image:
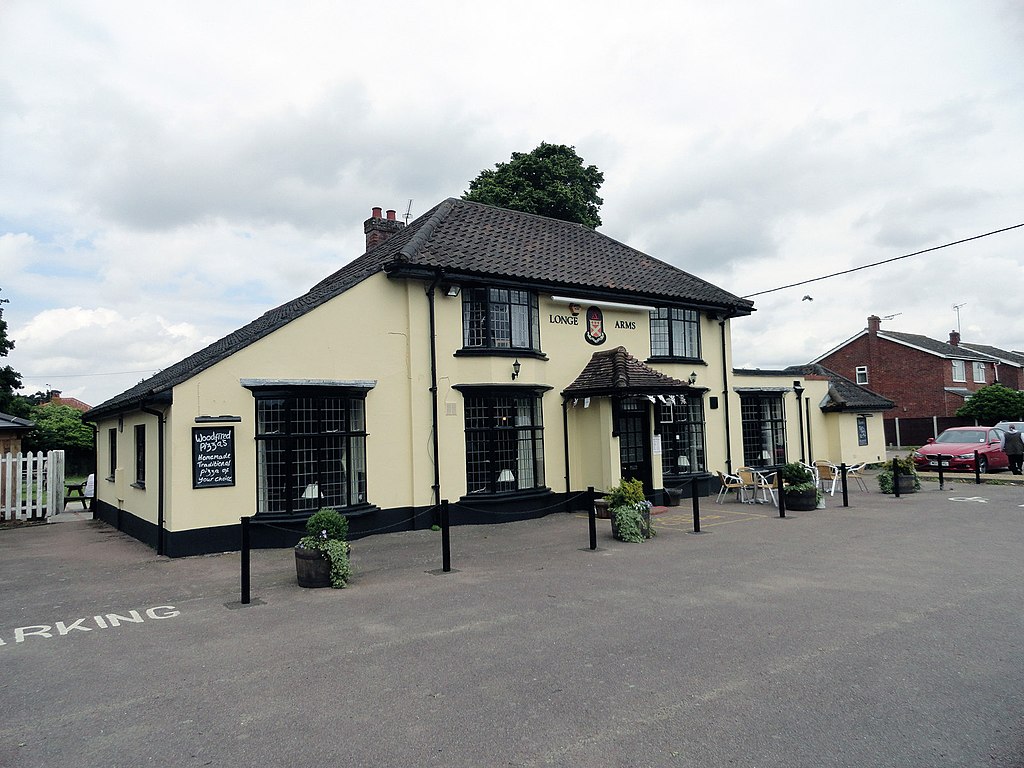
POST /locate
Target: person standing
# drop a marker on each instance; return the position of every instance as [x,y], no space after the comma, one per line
[1013,445]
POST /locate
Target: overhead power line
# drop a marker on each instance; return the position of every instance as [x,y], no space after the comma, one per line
[884,261]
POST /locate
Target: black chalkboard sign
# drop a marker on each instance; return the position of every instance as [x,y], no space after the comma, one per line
[862,430]
[213,456]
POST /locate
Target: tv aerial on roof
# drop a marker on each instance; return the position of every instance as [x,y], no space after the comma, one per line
[408,213]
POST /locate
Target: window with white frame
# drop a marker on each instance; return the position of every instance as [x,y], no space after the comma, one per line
[862,374]
[959,370]
[675,333]
[979,373]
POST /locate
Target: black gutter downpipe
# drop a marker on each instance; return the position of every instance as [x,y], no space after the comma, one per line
[433,388]
[565,440]
[725,401]
[160,420]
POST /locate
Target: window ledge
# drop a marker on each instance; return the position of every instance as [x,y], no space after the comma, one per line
[499,352]
[499,498]
[675,359]
[140,486]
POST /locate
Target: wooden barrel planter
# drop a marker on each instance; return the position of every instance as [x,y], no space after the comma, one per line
[601,510]
[802,501]
[906,484]
[312,568]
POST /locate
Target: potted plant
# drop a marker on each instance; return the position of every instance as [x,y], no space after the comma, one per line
[909,480]
[798,485]
[630,512]
[322,555]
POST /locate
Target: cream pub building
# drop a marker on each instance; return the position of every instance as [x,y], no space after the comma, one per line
[501,360]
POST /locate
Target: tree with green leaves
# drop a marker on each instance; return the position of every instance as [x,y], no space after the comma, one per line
[58,427]
[549,181]
[10,379]
[994,403]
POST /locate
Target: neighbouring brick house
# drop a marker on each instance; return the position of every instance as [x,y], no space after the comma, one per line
[927,379]
[1009,365]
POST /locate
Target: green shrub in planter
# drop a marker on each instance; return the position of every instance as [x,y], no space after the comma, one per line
[630,511]
[797,479]
[327,533]
[906,467]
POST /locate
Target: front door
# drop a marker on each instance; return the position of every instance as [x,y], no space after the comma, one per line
[634,443]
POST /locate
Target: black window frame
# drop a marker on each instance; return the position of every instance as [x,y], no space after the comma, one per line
[310,450]
[763,425]
[668,334]
[494,445]
[140,456]
[112,451]
[682,429]
[489,322]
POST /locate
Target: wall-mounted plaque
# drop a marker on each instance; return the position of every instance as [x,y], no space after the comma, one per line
[213,456]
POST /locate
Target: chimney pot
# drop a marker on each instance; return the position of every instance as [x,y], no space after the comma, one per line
[954,338]
[376,211]
[378,229]
[391,214]
[874,324]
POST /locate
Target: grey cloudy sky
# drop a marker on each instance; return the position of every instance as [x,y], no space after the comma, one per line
[172,170]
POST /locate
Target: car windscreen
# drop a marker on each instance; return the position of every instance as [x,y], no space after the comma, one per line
[963,436]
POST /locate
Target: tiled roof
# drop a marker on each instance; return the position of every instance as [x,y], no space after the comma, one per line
[843,394]
[616,372]
[931,345]
[10,423]
[1014,358]
[470,240]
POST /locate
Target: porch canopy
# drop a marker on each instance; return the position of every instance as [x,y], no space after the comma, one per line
[616,373]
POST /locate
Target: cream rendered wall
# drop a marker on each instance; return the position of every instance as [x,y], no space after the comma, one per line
[361,335]
[119,492]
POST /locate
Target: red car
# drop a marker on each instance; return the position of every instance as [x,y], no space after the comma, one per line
[960,443]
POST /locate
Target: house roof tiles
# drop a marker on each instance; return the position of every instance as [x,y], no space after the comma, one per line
[616,372]
[465,239]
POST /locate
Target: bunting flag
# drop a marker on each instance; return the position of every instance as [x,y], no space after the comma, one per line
[586,402]
[651,398]
[575,400]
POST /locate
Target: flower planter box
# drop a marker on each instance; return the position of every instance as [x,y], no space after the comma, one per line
[906,484]
[647,525]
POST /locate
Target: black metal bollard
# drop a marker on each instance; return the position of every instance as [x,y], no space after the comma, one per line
[896,478]
[941,481]
[446,541]
[977,468]
[245,561]
[592,514]
[696,505]
[842,477]
[782,493]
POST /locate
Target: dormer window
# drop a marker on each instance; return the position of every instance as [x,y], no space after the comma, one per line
[499,319]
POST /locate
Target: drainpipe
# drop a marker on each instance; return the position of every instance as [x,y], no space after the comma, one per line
[160,421]
[565,438]
[810,450]
[725,402]
[433,389]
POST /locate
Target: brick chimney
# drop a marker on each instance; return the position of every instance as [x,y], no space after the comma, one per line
[377,230]
[954,338]
[874,325]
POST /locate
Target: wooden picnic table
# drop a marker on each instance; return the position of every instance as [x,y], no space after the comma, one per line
[76,492]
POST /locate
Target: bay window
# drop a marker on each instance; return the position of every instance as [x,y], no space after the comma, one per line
[504,441]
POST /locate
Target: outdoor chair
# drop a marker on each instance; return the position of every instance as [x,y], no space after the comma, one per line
[757,484]
[729,483]
[856,473]
[828,475]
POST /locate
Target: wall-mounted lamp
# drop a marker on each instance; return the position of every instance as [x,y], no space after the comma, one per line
[515,369]
[693,378]
[452,291]
[683,462]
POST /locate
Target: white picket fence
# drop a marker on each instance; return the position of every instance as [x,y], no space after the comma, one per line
[31,485]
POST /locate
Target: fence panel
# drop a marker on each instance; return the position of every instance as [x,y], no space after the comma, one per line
[31,485]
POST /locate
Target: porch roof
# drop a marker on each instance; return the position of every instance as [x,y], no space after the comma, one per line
[616,372]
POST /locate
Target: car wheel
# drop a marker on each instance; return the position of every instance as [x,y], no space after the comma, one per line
[982,465]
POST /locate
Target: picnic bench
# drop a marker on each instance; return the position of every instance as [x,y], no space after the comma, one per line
[76,492]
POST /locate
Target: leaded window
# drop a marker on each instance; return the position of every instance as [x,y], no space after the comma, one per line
[500,318]
[140,456]
[675,333]
[763,419]
[681,424]
[504,441]
[311,450]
